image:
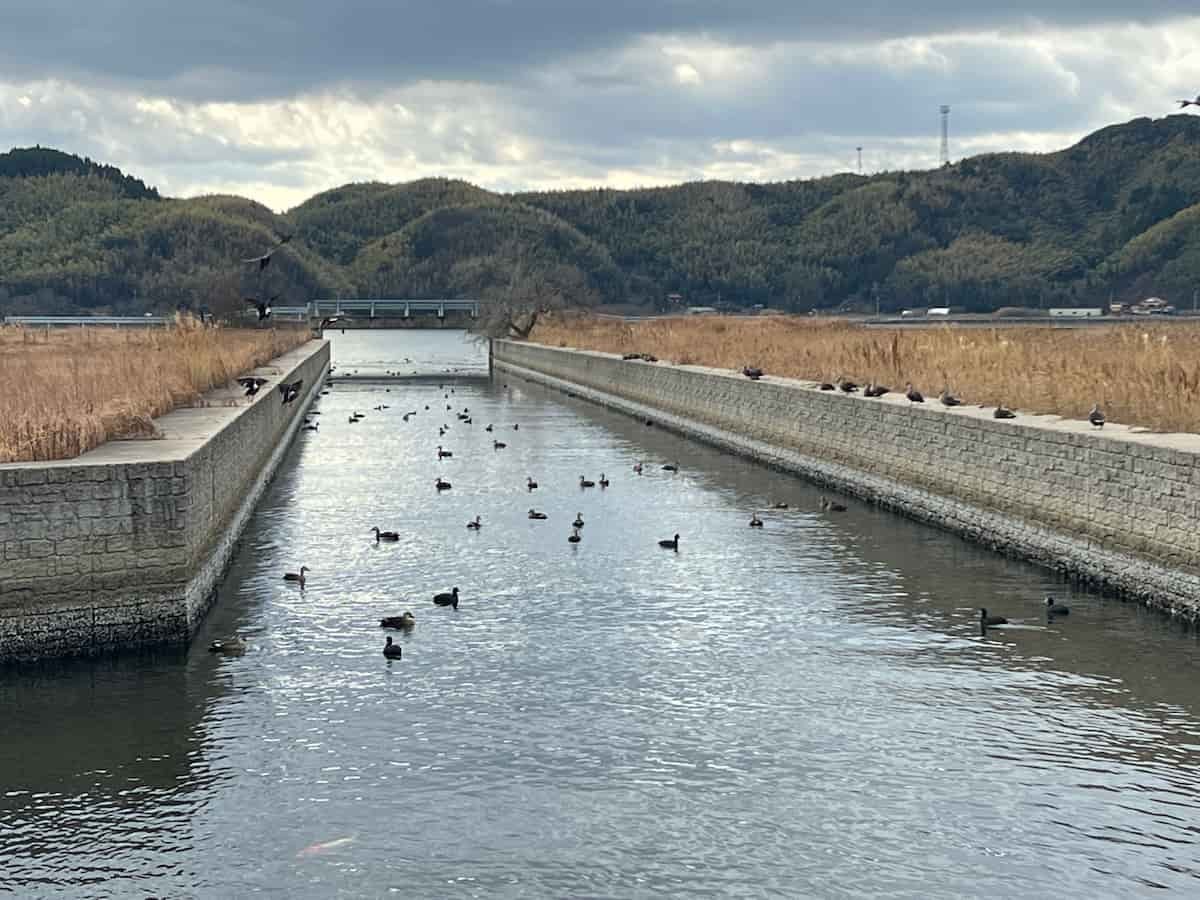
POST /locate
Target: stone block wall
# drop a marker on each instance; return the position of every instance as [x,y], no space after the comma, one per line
[1114,506]
[124,545]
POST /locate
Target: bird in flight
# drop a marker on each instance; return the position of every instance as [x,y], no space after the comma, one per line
[265,260]
[1184,104]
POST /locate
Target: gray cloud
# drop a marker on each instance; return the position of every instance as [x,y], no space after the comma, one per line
[234,49]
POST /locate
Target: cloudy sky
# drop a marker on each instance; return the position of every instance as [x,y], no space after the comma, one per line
[279,99]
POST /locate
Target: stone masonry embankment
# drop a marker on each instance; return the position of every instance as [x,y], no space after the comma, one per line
[124,545]
[1117,508]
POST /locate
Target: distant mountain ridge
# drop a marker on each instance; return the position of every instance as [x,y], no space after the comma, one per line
[1118,214]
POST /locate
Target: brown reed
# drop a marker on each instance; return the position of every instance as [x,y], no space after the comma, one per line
[65,391]
[1141,374]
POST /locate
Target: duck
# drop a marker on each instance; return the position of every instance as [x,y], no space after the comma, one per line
[311,426]
[637,467]
[444,454]
[534,514]
[755,521]
[488,429]
[670,467]
[846,386]
[517,427]
[780,505]
[391,650]
[912,394]
[876,390]
[1096,416]
[441,431]
[672,544]
[442,485]
[450,599]
[475,525]
[831,506]
[825,386]
[986,621]
[578,523]
[384,535]
[1003,412]
[1056,609]
[234,646]
[603,480]
[584,483]
[296,576]
[498,445]
[530,484]
[403,622]
[752,372]
[948,399]
[574,538]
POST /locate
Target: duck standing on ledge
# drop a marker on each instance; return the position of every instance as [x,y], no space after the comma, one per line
[450,599]
[913,395]
[948,399]
[1003,412]
[752,372]
[1096,417]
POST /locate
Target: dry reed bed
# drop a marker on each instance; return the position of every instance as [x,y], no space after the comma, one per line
[1146,375]
[63,392]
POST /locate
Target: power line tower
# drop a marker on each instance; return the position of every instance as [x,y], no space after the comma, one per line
[859,160]
[945,156]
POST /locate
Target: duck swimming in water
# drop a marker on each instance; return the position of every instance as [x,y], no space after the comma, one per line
[584,483]
[450,599]
[443,454]
[530,484]
[403,622]
[755,521]
[442,485]
[296,576]
[384,535]
[534,514]
[672,544]
[670,467]
[574,538]
[1056,609]
[578,523]
[475,525]
[986,621]
[603,480]
[830,506]
[392,651]
[234,646]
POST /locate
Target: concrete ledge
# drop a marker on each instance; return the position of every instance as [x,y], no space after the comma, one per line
[1115,509]
[125,545]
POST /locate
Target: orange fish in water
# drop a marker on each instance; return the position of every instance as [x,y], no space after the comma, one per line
[325,846]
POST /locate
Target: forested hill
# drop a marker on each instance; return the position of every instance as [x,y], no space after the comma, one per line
[1116,215]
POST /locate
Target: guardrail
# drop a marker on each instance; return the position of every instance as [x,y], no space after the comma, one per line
[84,321]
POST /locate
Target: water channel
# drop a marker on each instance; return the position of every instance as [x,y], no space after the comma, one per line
[808,709]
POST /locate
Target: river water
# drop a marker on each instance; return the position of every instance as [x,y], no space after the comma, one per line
[808,709]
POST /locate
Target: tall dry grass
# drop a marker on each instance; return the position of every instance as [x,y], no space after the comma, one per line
[65,391]
[1147,375]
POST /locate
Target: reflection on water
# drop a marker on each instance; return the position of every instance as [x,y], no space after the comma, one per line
[807,709]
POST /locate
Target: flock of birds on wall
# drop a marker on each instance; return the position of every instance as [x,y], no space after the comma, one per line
[872,389]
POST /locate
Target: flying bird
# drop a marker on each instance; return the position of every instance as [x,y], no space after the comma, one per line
[263,306]
[1184,104]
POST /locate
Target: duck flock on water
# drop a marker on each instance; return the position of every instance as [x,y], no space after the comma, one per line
[407,621]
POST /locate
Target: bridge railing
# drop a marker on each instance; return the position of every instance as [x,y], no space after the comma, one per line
[394,308]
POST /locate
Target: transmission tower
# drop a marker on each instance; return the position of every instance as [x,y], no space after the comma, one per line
[945,157]
[859,160]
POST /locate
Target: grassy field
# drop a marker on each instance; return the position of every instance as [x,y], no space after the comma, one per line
[65,391]
[1147,375]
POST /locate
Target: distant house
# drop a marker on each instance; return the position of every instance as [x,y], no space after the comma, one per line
[1076,312]
[702,310]
[938,311]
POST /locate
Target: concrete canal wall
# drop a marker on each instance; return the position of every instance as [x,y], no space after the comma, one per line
[125,545]
[1117,508]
